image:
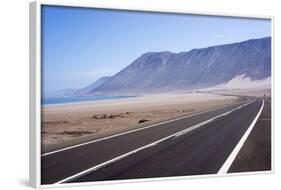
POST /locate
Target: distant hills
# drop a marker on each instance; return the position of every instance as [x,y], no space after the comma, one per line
[78,92]
[156,72]
[91,87]
[61,93]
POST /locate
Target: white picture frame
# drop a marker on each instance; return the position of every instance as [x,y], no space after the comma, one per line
[35,87]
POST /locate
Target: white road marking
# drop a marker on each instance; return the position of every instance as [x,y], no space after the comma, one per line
[225,167]
[94,168]
[135,130]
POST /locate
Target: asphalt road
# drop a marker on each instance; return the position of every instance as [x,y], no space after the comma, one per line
[256,153]
[202,150]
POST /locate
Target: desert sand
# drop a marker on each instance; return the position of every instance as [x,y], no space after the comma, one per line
[71,123]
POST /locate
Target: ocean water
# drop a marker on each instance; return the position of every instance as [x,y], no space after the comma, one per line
[60,100]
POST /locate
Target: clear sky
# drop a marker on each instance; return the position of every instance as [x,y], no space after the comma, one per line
[80,45]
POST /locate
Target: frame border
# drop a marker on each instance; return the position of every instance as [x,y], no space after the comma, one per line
[34,94]
[35,87]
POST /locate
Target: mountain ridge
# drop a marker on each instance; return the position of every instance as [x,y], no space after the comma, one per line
[197,68]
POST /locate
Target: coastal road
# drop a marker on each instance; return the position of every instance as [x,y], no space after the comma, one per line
[201,143]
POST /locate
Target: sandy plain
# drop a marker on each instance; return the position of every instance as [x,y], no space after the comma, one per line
[71,123]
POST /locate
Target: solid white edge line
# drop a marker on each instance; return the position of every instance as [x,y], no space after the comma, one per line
[131,131]
[225,167]
[94,168]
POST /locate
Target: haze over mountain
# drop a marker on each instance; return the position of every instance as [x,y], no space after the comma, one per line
[60,93]
[155,72]
[78,92]
[91,87]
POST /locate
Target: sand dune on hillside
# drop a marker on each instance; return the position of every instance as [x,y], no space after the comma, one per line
[241,85]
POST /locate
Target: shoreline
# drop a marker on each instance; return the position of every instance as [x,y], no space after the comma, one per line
[79,99]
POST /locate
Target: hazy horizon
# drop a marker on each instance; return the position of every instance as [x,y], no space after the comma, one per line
[80,45]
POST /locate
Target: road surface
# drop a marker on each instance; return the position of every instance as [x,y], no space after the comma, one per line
[193,145]
[256,153]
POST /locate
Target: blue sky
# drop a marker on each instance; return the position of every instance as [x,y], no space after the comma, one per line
[80,45]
